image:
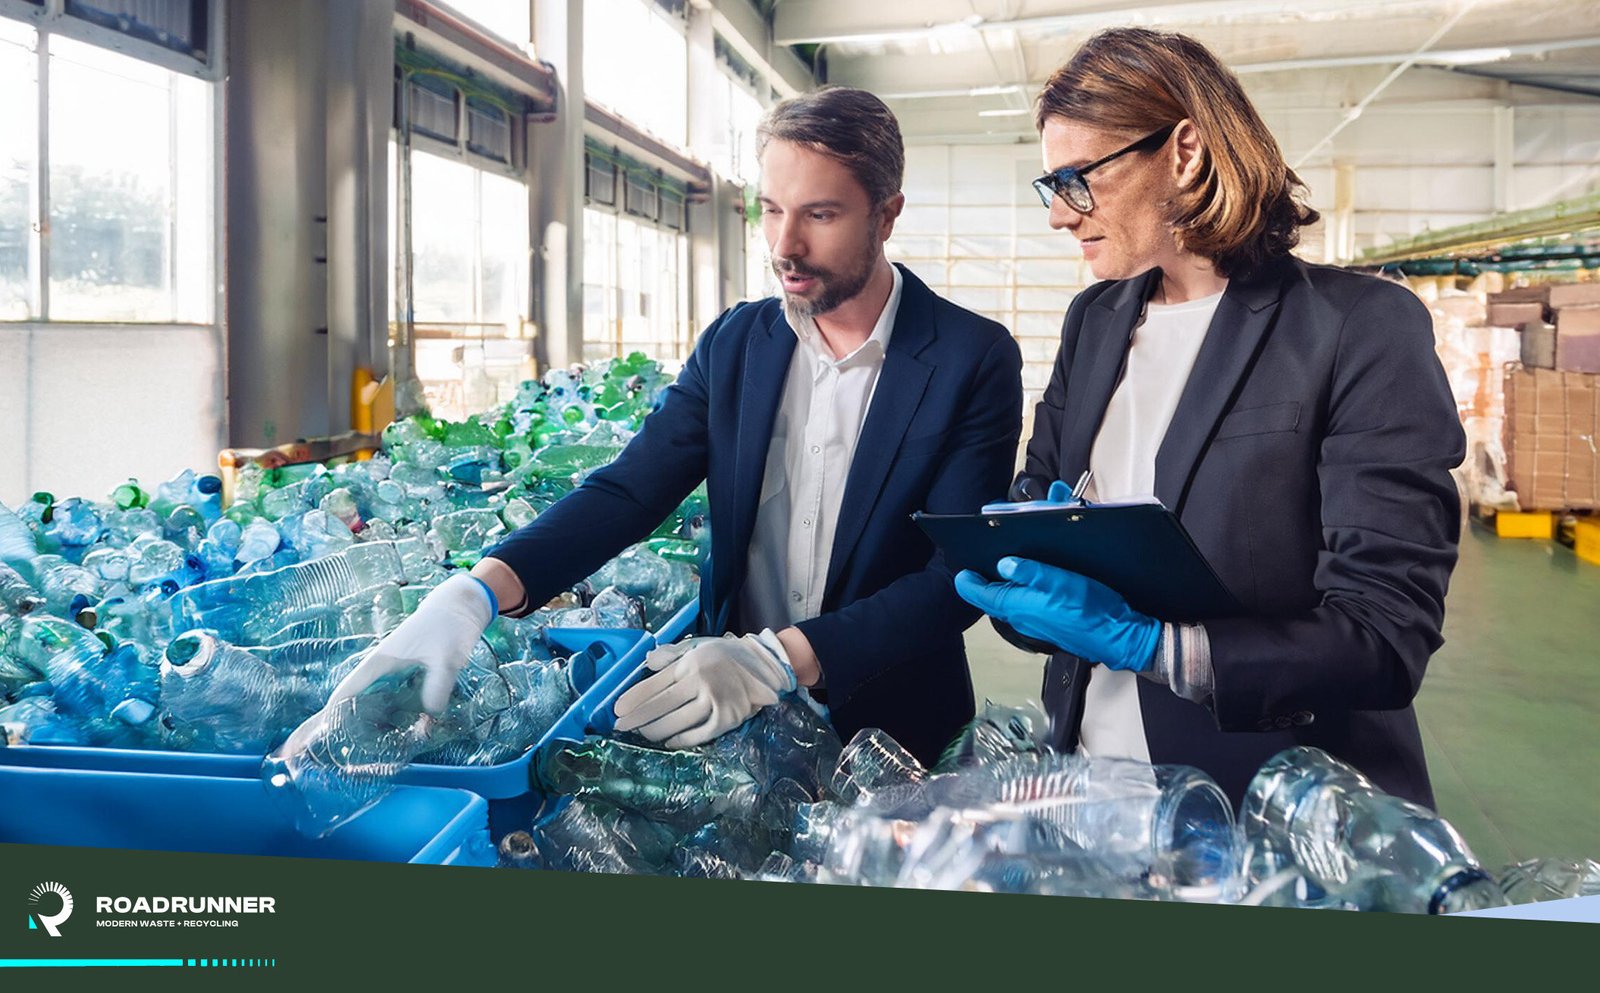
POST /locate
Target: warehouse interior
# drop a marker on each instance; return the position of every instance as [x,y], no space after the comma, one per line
[233,225]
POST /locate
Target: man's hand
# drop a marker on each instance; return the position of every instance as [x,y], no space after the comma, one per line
[703,687]
[438,636]
[1084,617]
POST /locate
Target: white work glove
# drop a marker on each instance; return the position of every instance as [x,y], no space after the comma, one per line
[705,686]
[438,636]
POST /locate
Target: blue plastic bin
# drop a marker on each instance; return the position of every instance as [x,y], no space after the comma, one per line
[506,784]
[231,816]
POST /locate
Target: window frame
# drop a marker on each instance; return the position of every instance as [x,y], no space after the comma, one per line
[48,18]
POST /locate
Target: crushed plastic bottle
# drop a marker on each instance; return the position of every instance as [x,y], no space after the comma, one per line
[1356,846]
[344,758]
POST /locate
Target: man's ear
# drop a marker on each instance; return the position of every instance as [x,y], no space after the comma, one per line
[1188,153]
[891,212]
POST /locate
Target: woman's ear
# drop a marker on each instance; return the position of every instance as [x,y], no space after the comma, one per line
[1188,153]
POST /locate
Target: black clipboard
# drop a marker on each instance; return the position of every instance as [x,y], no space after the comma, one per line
[1140,550]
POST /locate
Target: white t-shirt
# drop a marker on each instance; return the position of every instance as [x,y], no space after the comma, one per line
[1160,358]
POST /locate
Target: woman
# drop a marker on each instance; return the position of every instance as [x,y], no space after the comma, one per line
[1294,417]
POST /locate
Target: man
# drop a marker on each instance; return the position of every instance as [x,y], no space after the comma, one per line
[820,421]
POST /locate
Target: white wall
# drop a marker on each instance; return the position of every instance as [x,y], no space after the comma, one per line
[1425,159]
[84,408]
[974,231]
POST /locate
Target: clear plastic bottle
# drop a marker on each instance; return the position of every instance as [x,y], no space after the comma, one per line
[1356,846]
[343,759]
[220,697]
[995,734]
[88,682]
[1170,821]
[303,600]
[17,595]
[1536,880]
[681,787]
[870,762]
[786,740]
[580,838]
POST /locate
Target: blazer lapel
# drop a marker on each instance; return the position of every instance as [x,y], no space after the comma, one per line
[1097,367]
[901,385]
[1243,318]
[766,367]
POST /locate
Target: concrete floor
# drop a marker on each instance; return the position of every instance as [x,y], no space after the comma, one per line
[1510,708]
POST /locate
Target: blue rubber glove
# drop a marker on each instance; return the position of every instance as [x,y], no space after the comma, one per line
[1059,493]
[1074,612]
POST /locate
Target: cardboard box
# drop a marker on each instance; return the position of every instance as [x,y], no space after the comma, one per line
[1464,307]
[1578,339]
[1552,438]
[1539,345]
[1511,315]
[1574,295]
[1523,294]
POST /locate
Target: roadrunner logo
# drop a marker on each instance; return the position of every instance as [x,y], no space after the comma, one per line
[42,895]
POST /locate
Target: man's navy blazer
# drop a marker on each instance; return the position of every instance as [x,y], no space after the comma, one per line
[940,435]
[1309,458]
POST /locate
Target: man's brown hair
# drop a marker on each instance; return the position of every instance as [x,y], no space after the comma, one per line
[849,125]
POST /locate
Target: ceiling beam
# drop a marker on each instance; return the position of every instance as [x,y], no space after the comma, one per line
[909,77]
[832,22]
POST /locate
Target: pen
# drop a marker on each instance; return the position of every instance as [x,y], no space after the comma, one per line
[1081,486]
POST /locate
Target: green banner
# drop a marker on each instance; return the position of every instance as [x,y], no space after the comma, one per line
[234,922]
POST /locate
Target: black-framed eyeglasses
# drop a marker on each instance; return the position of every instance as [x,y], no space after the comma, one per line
[1069,183]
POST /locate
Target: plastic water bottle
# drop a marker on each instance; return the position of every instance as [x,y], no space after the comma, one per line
[17,595]
[997,733]
[1356,846]
[1170,825]
[87,680]
[872,761]
[1536,880]
[682,787]
[786,740]
[343,759]
[305,600]
[220,697]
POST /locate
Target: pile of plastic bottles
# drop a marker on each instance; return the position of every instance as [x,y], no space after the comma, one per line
[778,799]
[167,620]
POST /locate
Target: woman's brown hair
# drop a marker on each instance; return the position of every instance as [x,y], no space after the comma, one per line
[1245,208]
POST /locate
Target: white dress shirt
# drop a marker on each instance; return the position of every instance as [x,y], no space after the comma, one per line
[824,403]
[1160,358]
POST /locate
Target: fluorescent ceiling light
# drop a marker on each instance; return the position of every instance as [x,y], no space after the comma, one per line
[1007,112]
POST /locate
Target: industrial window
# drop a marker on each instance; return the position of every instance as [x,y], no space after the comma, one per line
[508,19]
[635,288]
[640,196]
[91,237]
[179,25]
[469,280]
[600,179]
[450,110]
[489,131]
[636,62]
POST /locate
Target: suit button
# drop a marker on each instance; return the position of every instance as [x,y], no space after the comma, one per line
[1304,717]
[1066,677]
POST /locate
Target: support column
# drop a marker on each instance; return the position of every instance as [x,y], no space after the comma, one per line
[360,112]
[1505,157]
[707,290]
[555,176]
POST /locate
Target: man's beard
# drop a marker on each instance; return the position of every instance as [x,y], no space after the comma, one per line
[836,288]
